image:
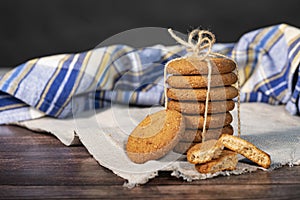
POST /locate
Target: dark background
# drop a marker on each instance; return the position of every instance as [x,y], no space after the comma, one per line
[34,28]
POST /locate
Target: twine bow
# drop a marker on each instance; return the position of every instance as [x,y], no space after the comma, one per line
[205,40]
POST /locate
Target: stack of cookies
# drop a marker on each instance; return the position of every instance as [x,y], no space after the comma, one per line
[187,93]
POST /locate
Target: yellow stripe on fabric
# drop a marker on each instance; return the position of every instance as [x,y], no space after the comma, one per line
[270,43]
[133,97]
[12,106]
[273,40]
[17,80]
[291,41]
[58,69]
[241,71]
[105,60]
[282,94]
[247,97]
[251,54]
[296,59]
[101,95]
[82,69]
[294,63]
[6,77]
[112,72]
[272,101]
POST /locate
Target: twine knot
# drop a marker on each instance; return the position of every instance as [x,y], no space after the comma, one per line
[205,40]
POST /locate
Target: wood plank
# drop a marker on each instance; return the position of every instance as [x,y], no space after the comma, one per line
[184,191]
[39,166]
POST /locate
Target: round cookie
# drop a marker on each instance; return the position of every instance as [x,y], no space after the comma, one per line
[195,135]
[213,121]
[155,136]
[218,93]
[199,107]
[198,81]
[194,66]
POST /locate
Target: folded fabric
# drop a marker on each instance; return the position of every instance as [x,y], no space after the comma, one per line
[268,61]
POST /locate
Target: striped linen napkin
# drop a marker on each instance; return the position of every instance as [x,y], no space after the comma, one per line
[268,60]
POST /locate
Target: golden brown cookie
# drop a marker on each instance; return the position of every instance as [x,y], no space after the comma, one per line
[199,107]
[213,121]
[195,135]
[155,136]
[205,152]
[218,93]
[198,81]
[246,149]
[194,66]
[183,147]
[227,161]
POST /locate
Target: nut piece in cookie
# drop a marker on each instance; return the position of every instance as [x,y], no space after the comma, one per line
[204,152]
[155,136]
[227,161]
[246,149]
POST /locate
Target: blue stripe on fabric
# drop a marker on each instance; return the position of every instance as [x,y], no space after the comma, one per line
[293,44]
[104,73]
[68,87]
[173,56]
[294,54]
[7,100]
[262,43]
[278,91]
[249,45]
[277,41]
[114,60]
[10,101]
[283,77]
[97,100]
[149,73]
[15,74]
[55,85]
[264,98]
[252,96]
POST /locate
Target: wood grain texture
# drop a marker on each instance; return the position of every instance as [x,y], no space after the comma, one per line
[38,166]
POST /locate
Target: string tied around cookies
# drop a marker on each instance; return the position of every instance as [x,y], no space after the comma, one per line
[205,40]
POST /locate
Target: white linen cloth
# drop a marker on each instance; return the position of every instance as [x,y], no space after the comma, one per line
[104,133]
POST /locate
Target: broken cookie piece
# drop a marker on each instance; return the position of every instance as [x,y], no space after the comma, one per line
[204,152]
[227,161]
[246,149]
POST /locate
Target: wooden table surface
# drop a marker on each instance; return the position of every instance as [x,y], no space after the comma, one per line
[38,166]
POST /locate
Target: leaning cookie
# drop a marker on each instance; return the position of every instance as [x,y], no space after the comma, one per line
[227,161]
[196,66]
[218,93]
[201,81]
[199,107]
[246,149]
[155,136]
[204,152]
